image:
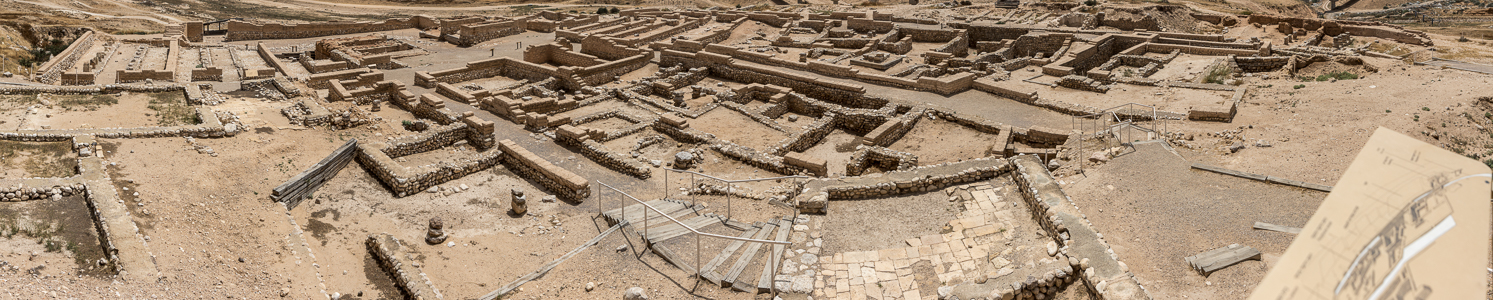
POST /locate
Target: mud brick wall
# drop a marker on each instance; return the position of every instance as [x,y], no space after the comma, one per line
[322,80]
[81,78]
[51,71]
[607,48]
[555,54]
[603,73]
[387,91]
[1031,44]
[866,25]
[472,34]
[722,66]
[1206,44]
[240,30]
[769,19]
[392,258]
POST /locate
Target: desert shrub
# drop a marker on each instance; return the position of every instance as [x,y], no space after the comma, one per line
[1299,86]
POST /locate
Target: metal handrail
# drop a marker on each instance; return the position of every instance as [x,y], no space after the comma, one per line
[691,229]
[728,183]
[739,180]
[773,260]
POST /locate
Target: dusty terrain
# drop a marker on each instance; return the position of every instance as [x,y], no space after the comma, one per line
[205,222]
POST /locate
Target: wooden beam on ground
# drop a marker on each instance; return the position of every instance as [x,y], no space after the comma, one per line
[1265,178]
[1213,260]
[1273,227]
[547,267]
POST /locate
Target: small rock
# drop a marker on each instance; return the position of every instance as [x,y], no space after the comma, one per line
[1099,156]
[590,286]
[464,187]
[944,291]
[621,248]
[634,293]
[1052,248]
[284,292]
[809,259]
[336,296]
[433,189]
[550,198]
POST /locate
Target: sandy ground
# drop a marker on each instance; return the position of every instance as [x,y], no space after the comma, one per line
[213,231]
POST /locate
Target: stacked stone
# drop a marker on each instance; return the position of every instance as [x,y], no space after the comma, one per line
[406,181]
[614,160]
[391,257]
[922,184]
[803,140]
[58,188]
[765,161]
[520,204]
[561,182]
[887,159]
[1033,177]
[1083,83]
[429,140]
[435,235]
[1044,285]
[754,115]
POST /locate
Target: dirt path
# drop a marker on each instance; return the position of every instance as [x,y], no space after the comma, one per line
[65,9]
[397,7]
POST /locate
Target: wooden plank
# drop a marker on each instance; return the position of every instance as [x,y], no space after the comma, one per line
[709,268]
[1265,178]
[634,212]
[1213,260]
[1273,227]
[324,161]
[764,281]
[658,220]
[738,225]
[664,233]
[547,267]
[748,255]
[672,258]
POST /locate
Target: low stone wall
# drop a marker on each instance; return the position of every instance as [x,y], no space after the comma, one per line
[240,30]
[617,161]
[1103,274]
[404,181]
[817,193]
[886,159]
[51,72]
[559,181]
[395,261]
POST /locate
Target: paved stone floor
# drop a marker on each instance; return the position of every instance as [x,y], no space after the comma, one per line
[961,254]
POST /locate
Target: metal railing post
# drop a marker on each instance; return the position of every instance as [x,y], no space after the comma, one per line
[692,195]
[666,185]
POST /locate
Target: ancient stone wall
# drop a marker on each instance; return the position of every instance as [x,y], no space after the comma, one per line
[867,25]
[559,181]
[391,255]
[240,30]
[51,71]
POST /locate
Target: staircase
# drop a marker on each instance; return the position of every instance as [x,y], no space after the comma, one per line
[173,30]
[729,268]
